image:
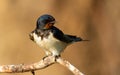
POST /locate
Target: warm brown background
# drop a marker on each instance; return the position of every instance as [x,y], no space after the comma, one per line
[96,20]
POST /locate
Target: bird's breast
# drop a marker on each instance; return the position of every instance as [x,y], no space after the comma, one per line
[49,43]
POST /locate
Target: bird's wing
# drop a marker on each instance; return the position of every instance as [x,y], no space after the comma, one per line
[58,34]
[71,38]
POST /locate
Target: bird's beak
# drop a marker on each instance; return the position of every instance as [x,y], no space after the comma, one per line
[53,22]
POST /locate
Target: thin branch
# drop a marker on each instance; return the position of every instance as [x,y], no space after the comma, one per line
[69,66]
[39,65]
[30,67]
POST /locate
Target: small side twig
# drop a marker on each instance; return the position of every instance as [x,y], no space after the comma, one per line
[69,66]
[20,68]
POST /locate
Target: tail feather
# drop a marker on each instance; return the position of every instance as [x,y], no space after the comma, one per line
[74,38]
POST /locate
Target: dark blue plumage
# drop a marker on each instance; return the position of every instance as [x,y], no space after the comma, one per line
[58,34]
[43,20]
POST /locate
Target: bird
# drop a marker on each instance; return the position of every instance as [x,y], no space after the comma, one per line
[50,38]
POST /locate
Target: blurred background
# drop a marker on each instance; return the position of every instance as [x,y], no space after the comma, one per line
[95,20]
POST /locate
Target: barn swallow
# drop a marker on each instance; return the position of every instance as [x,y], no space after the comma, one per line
[51,39]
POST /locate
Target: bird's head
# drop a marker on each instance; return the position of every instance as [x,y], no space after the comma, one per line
[45,21]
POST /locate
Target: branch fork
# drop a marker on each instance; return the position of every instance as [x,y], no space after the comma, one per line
[47,61]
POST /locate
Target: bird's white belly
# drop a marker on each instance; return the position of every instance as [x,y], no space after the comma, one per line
[51,45]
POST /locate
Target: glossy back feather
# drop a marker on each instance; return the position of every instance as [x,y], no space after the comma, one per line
[65,38]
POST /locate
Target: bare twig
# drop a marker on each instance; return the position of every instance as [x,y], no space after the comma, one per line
[39,65]
[69,66]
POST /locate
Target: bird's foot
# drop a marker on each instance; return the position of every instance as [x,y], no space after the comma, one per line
[45,57]
[56,56]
